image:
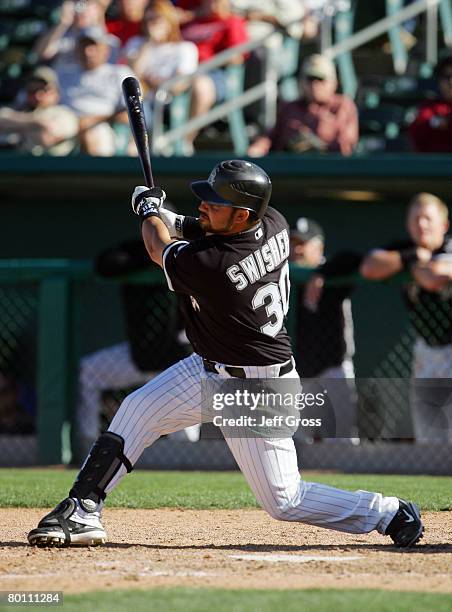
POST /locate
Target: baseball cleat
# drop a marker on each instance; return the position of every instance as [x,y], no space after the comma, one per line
[406,528]
[69,524]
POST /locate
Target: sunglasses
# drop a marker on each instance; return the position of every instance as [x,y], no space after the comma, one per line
[311,79]
[446,77]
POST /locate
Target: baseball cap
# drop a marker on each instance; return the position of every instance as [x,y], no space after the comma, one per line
[44,74]
[98,35]
[305,229]
[319,66]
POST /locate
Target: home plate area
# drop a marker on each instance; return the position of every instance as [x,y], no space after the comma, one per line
[222,548]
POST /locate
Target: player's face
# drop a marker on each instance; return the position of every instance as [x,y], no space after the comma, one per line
[426,226]
[309,253]
[217,219]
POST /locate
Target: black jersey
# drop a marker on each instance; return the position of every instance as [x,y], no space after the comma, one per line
[325,336]
[236,292]
[430,311]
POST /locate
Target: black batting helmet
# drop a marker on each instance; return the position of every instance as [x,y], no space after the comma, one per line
[237,183]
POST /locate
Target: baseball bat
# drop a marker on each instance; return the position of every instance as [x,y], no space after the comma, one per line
[134,103]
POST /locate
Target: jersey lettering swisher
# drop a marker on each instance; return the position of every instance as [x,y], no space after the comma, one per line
[237,292]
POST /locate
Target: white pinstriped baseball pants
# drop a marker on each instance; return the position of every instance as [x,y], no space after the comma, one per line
[172,401]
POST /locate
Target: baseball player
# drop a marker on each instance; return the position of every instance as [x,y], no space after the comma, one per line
[324,334]
[230,266]
[427,255]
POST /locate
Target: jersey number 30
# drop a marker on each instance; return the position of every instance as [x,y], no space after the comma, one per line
[275,298]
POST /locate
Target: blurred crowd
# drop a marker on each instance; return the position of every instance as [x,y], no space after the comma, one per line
[71,101]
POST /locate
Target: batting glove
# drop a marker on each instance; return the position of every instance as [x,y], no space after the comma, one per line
[147,202]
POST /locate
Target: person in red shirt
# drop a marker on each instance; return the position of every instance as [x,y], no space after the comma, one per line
[215,31]
[128,24]
[320,121]
[431,131]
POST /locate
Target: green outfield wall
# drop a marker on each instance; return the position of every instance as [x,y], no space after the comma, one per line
[69,209]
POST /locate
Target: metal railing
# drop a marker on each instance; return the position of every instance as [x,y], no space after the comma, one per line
[430,7]
[342,23]
[267,90]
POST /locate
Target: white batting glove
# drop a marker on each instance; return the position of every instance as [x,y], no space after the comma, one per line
[146,202]
[173,222]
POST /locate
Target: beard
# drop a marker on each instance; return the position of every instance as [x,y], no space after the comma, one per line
[204,222]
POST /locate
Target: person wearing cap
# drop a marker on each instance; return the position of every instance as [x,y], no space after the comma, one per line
[58,45]
[324,345]
[94,93]
[321,120]
[42,125]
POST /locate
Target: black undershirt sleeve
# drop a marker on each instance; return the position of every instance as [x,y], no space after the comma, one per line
[191,230]
[342,264]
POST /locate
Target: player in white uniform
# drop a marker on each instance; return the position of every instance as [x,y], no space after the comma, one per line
[236,288]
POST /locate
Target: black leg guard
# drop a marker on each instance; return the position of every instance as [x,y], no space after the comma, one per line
[102,463]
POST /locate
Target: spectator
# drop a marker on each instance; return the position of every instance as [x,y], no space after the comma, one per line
[94,92]
[42,125]
[129,22]
[427,256]
[160,53]
[264,15]
[155,339]
[217,30]
[431,131]
[321,120]
[58,45]
[324,337]
[317,10]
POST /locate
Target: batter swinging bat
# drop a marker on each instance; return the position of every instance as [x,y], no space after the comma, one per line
[134,103]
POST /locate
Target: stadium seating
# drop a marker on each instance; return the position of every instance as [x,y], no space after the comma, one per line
[385,100]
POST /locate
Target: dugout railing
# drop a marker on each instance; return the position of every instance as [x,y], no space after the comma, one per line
[52,309]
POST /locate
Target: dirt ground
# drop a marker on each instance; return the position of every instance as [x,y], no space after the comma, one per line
[169,547]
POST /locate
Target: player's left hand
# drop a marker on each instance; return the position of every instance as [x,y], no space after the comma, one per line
[147,202]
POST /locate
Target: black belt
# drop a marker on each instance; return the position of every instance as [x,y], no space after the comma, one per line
[236,372]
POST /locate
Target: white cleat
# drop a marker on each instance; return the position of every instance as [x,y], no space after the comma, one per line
[65,526]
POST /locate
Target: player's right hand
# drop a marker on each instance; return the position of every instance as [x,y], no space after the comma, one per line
[146,202]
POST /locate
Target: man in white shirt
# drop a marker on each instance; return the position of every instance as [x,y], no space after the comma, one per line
[58,44]
[41,124]
[94,93]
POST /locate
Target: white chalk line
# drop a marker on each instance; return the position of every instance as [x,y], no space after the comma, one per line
[274,558]
[116,574]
